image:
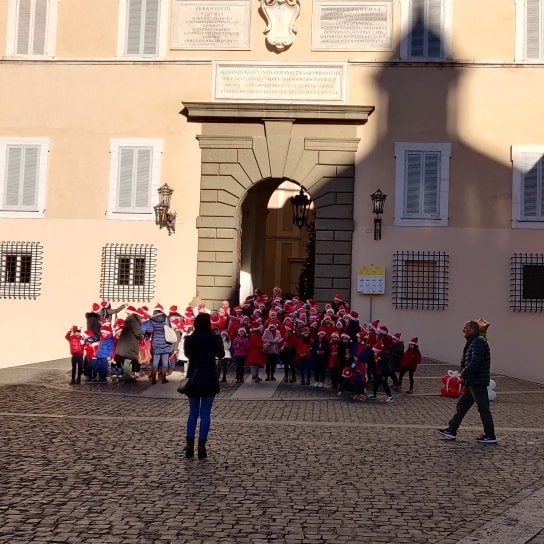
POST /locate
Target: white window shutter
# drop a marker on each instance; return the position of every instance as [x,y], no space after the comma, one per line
[414,172]
[40,26]
[143,27]
[22,177]
[151,27]
[30,177]
[143,179]
[431,185]
[417,29]
[533,30]
[435,24]
[531,194]
[126,174]
[23,27]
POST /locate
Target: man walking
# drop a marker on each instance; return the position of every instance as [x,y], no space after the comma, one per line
[475,374]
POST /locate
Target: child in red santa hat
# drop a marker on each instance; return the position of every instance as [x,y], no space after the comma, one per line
[410,361]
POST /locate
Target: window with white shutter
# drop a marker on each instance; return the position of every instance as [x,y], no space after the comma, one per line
[31,27]
[528,187]
[422,184]
[529,30]
[134,178]
[23,169]
[426,29]
[142,28]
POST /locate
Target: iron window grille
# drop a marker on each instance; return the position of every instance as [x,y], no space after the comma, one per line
[128,272]
[420,280]
[20,269]
[527,282]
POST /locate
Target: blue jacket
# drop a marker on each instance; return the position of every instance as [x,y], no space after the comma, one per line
[158,344]
[105,347]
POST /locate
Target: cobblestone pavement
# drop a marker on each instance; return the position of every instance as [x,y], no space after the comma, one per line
[104,464]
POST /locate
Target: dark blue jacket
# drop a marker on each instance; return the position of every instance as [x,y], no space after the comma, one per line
[158,344]
[476,361]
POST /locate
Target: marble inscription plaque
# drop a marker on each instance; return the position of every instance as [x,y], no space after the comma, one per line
[274,82]
[211,24]
[352,25]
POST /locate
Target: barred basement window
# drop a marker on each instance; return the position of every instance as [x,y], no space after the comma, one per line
[20,269]
[128,272]
[420,280]
[527,282]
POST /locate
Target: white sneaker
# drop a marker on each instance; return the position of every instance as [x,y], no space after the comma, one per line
[316,384]
[389,399]
[320,384]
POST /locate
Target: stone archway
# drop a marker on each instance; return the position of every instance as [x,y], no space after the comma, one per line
[243,144]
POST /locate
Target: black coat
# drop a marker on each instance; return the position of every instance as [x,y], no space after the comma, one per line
[128,345]
[202,349]
[476,361]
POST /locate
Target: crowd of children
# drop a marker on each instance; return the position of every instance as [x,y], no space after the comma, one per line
[331,345]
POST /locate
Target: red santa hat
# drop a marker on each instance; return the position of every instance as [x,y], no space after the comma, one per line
[396,337]
[414,341]
[271,326]
[335,335]
[346,335]
[173,309]
[322,331]
[189,312]
[382,329]
[305,330]
[140,312]
[353,315]
[96,307]
[214,321]
[158,308]
[364,327]
[238,309]
[130,310]
[338,297]
[176,323]
[341,309]
[374,325]
[363,336]
[76,328]
[119,324]
[106,329]
[256,326]
[329,311]
[378,346]
[241,330]
[105,304]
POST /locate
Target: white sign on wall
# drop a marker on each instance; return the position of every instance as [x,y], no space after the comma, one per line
[371,280]
[308,82]
[352,25]
[211,24]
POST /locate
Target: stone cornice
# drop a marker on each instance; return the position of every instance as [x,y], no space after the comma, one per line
[221,111]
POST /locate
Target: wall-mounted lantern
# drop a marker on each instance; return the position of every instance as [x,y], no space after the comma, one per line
[163,216]
[378,199]
[301,208]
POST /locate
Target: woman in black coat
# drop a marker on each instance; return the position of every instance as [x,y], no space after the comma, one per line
[201,348]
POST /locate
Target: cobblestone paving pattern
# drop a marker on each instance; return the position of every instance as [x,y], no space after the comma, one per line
[88,465]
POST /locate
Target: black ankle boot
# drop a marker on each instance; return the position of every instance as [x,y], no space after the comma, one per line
[190,447]
[202,453]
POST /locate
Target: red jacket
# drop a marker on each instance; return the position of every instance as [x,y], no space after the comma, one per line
[256,354]
[304,346]
[410,359]
[76,343]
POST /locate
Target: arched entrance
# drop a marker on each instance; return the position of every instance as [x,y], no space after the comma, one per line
[244,145]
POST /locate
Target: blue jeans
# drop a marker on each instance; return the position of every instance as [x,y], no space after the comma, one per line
[199,407]
[163,357]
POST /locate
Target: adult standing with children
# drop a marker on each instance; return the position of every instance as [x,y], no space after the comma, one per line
[475,375]
[160,348]
[128,345]
[201,348]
